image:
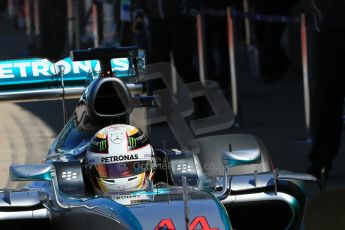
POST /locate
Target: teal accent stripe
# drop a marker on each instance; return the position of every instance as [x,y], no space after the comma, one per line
[235,162]
[222,212]
[159,191]
[296,209]
[42,177]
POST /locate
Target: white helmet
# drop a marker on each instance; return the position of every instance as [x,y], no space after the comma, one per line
[119,158]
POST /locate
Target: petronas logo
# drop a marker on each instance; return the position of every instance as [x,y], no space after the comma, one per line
[102,145]
[132,142]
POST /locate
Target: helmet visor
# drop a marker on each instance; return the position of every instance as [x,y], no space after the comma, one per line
[123,169]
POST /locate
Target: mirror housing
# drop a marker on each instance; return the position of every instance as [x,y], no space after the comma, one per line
[241,157]
[38,172]
[34,172]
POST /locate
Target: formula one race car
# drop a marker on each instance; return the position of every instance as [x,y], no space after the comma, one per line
[214,182]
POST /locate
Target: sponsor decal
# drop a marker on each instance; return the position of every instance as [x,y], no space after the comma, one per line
[120,197]
[132,142]
[116,138]
[165,224]
[45,68]
[199,222]
[119,158]
[202,222]
[102,145]
[69,175]
[129,199]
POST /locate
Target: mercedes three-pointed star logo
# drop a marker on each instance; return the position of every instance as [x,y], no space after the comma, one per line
[116,138]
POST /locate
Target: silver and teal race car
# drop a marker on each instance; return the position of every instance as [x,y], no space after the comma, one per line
[213,182]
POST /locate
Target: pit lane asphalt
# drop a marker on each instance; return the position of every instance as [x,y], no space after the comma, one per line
[24,137]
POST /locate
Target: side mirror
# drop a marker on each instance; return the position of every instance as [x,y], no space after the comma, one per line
[38,172]
[34,172]
[232,159]
[241,157]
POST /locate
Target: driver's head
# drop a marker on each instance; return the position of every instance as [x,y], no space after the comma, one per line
[119,158]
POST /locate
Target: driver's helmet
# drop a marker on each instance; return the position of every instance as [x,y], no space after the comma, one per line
[119,158]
